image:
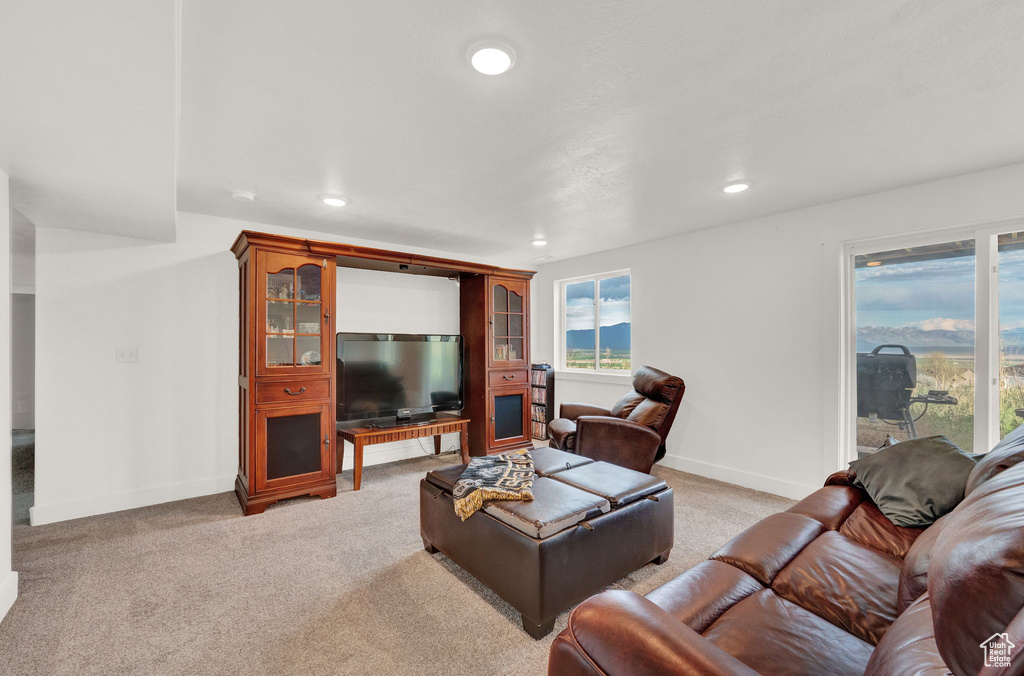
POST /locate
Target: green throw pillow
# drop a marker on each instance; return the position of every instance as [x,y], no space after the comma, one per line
[915,482]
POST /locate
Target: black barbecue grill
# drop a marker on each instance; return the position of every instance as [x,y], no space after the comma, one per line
[885,388]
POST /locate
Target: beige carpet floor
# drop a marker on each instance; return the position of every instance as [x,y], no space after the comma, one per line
[339,586]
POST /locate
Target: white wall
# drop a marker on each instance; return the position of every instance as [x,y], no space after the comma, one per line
[8,578]
[115,436]
[23,369]
[370,301]
[748,315]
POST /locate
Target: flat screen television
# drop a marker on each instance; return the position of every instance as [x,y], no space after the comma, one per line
[405,376]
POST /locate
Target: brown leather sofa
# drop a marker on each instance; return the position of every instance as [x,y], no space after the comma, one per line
[830,587]
[632,433]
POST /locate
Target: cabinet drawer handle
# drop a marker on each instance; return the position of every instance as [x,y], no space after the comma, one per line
[294,394]
[511,377]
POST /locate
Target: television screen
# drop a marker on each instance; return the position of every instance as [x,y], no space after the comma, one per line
[382,375]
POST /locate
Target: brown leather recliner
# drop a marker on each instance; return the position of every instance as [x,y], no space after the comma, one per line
[632,433]
[831,586]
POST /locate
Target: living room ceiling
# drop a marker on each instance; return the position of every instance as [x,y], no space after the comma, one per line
[620,121]
[88,106]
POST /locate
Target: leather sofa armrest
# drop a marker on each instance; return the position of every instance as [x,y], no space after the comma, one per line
[843,477]
[621,632]
[620,442]
[572,410]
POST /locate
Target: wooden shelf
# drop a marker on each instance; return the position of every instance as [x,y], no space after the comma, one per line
[538,425]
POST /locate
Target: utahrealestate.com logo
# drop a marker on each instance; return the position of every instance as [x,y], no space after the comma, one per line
[998,650]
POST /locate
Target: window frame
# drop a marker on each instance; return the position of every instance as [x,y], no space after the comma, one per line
[986,320]
[597,373]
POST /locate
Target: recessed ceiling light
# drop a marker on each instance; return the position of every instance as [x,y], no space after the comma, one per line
[736,187]
[492,58]
[540,242]
[243,195]
[333,200]
[873,264]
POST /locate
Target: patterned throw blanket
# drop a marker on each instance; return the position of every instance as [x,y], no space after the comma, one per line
[508,476]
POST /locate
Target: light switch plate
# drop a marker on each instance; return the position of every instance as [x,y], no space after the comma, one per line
[126,355]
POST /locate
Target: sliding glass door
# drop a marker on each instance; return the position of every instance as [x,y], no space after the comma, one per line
[1011,331]
[936,339]
[915,343]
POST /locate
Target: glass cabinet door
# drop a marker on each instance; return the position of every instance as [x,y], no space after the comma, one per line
[508,323]
[295,315]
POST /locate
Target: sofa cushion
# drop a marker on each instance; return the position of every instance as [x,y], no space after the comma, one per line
[914,573]
[976,574]
[845,582]
[909,646]
[623,407]
[1006,454]
[548,461]
[562,431]
[649,412]
[618,485]
[765,548]
[915,482]
[831,505]
[773,636]
[699,596]
[868,526]
[555,507]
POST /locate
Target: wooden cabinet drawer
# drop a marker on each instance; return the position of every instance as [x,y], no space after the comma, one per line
[509,377]
[292,391]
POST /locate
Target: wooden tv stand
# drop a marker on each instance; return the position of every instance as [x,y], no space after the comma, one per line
[366,436]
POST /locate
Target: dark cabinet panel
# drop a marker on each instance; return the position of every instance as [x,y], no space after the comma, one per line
[293,445]
[508,416]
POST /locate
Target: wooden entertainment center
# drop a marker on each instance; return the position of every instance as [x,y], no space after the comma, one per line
[287,363]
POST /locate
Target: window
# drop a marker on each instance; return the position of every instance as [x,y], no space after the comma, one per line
[915,344]
[1011,331]
[936,339]
[601,302]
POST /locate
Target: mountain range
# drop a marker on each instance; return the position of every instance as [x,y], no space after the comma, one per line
[870,336]
[615,337]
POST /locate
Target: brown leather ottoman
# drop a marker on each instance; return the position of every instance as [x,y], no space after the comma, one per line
[589,524]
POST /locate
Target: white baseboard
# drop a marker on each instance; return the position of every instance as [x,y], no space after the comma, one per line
[734,476]
[104,504]
[62,511]
[8,592]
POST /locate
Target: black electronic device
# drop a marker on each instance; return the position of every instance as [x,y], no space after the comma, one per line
[885,382]
[885,388]
[406,378]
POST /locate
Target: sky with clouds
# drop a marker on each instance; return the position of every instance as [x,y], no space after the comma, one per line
[937,294]
[614,294]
